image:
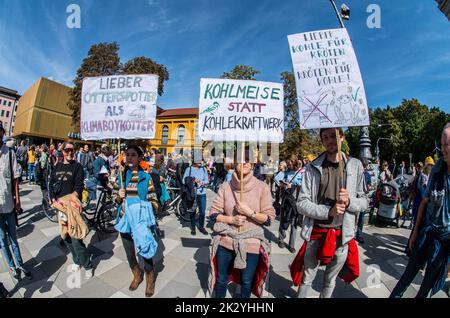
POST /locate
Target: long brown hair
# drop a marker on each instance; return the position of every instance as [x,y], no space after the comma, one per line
[294,159]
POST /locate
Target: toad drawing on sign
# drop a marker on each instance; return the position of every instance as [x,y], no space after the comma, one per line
[348,108]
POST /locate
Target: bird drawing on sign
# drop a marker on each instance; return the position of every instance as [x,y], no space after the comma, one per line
[211,109]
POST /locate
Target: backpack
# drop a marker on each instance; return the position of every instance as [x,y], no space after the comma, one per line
[21,154]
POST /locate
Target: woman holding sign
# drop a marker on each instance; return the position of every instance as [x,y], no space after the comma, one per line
[136,221]
[239,245]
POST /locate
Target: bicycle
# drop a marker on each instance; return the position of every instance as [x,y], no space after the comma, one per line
[175,204]
[103,217]
[50,212]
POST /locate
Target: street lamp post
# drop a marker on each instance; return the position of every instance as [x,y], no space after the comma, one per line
[378,148]
[364,138]
[338,14]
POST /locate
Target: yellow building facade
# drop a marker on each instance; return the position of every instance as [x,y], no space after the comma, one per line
[176,130]
[42,113]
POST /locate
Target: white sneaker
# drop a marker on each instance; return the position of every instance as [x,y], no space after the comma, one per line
[89,273]
[75,268]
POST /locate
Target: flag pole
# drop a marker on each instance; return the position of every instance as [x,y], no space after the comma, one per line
[341,166]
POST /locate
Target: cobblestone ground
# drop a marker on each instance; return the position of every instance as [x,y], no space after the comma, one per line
[181,262]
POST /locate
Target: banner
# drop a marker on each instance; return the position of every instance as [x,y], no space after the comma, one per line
[238,110]
[120,106]
[330,89]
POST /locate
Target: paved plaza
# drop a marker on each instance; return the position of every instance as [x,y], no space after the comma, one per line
[181,262]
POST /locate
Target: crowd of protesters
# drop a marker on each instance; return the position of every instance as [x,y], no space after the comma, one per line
[327,206]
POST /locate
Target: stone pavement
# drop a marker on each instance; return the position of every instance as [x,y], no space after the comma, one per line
[181,262]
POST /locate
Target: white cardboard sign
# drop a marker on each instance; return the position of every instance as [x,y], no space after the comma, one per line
[119,106]
[241,110]
[329,85]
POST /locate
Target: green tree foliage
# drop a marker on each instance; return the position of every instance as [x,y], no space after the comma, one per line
[296,141]
[414,128]
[290,102]
[241,72]
[103,60]
[145,65]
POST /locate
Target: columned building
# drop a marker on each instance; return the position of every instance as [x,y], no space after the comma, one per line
[176,130]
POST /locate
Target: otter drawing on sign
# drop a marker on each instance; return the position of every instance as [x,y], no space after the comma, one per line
[348,107]
[138,113]
[316,107]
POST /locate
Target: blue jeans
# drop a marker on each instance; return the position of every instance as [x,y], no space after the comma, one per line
[32,172]
[201,203]
[225,260]
[359,229]
[8,235]
[417,260]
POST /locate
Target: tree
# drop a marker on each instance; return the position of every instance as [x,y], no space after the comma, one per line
[145,65]
[297,141]
[414,128]
[241,72]
[102,60]
[291,117]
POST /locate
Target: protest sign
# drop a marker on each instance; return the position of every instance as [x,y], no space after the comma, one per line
[330,89]
[120,106]
[238,110]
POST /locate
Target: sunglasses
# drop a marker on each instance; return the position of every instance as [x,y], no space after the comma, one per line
[68,150]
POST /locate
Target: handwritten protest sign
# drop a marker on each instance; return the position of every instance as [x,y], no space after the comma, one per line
[237,110]
[330,89]
[121,106]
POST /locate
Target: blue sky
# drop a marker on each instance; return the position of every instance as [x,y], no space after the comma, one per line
[408,57]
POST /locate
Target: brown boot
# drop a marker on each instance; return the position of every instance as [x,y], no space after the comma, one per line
[150,287]
[138,277]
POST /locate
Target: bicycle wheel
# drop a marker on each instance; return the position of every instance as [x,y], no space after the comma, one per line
[49,212]
[106,218]
[184,215]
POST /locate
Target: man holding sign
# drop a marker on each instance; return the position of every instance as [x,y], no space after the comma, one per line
[330,205]
[330,95]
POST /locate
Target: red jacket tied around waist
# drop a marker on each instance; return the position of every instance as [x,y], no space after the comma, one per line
[325,254]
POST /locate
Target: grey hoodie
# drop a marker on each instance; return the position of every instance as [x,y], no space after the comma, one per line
[307,199]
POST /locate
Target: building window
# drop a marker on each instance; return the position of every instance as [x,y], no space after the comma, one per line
[165,135]
[9,104]
[7,113]
[3,112]
[198,141]
[181,131]
[4,102]
[5,125]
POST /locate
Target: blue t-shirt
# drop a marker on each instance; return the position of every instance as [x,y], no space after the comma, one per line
[438,209]
[288,175]
[197,173]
